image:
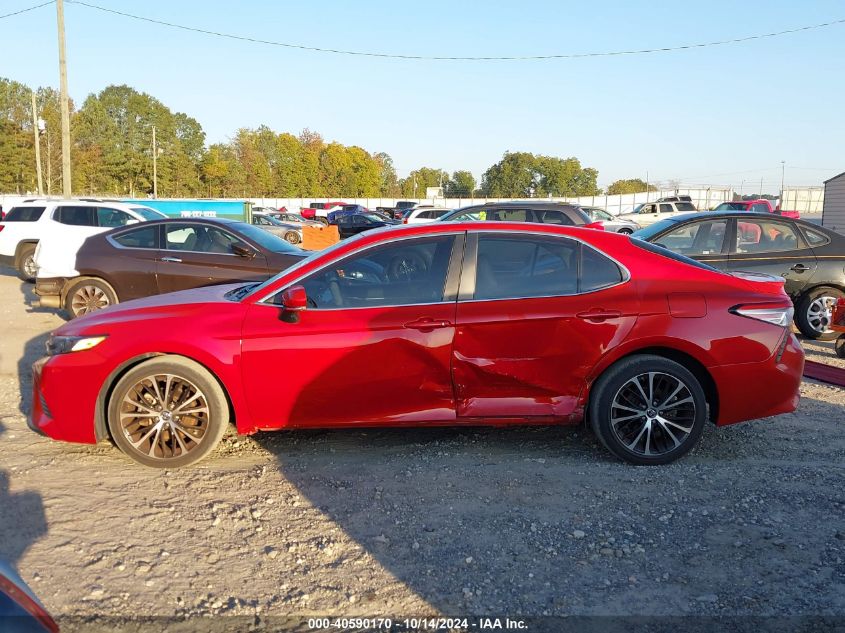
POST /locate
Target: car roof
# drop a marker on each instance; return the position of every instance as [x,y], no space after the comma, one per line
[223,221]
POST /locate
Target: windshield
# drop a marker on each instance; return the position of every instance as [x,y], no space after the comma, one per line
[373,217]
[260,288]
[731,206]
[148,214]
[264,238]
[602,215]
[654,229]
[272,220]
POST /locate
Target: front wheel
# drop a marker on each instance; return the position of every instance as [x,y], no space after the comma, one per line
[839,346]
[815,313]
[648,410]
[292,237]
[168,412]
[625,231]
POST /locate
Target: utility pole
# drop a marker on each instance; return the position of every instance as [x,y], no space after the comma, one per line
[49,165]
[782,174]
[60,18]
[36,135]
[155,165]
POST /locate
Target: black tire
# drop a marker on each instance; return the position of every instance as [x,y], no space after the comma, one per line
[202,428]
[683,414]
[625,231]
[839,346]
[292,237]
[88,295]
[323,220]
[810,317]
[25,264]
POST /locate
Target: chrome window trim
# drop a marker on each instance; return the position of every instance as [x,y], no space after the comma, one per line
[265,300]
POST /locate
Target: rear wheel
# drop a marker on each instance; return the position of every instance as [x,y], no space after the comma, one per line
[323,220]
[26,263]
[88,295]
[648,410]
[292,237]
[625,231]
[168,412]
[815,313]
[839,346]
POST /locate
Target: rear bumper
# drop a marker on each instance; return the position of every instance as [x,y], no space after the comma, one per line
[49,291]
[749,391]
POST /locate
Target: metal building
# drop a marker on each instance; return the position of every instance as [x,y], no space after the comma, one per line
[833,212]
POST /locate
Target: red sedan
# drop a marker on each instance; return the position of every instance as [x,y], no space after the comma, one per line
[435,324]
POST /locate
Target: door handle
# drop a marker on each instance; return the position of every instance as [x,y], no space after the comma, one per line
[175,260]
[599,314]
[800,268]
[426,324]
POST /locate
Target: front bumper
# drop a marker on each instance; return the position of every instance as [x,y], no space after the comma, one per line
[749,391]
[64,395]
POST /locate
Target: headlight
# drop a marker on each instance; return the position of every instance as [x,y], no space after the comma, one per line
[66,344]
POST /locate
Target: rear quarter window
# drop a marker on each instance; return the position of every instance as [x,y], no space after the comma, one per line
[816,238]
[597,271]
[24,214]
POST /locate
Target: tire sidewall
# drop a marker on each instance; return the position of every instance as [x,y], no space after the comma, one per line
[185,368]
[27,251]
[615,377]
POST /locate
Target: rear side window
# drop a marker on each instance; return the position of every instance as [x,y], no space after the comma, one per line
[597,271]
[685,206]
[815,238]
[146,237]
[24,214]
[76,216]
[554,216]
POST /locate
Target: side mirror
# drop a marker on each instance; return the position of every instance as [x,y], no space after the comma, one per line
[243,251]
[294,299]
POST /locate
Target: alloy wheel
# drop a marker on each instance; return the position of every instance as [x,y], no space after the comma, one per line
[820,313]
[653,413]
[164,416]
[88,299]
[29,267]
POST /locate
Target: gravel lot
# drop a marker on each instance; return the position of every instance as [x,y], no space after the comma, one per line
[449,521]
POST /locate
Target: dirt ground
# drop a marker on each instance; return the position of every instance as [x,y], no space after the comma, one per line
[520,522]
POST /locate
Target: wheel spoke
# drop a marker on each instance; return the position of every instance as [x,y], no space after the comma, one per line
[672,395]
[639,387]
[146,437]
[636,441]
[669,432]
[625,418]
[664,421]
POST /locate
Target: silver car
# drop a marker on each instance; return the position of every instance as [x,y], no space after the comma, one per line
[611,222]
[292,233]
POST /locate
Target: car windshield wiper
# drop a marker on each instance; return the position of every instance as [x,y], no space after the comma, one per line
[239,293]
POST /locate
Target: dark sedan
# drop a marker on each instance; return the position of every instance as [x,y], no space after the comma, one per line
[165,256]
[810,258]
[529,211]
[349,225]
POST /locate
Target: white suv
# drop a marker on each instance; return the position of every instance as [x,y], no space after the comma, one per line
[74,220]
[647,214]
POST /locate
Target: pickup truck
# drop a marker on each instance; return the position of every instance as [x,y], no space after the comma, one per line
[320,210]
[758,206]
[399,210]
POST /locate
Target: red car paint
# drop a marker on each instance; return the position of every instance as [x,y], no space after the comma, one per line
[511,361]
[761,206]
[310,213]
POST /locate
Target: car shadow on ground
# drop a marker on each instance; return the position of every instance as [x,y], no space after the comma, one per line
[33,349]
[22,518]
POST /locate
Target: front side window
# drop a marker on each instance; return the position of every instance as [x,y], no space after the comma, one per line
[112,217]
[146,237]
[406,272]
[696,238]
[24,214]
[765,236]
[514,268]
[76,216]
[649,208]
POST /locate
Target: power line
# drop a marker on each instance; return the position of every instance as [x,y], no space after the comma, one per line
[456,58]
[37,6]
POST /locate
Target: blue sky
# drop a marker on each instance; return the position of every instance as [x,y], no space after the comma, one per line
[719,115]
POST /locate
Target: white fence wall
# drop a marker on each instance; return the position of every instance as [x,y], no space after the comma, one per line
[805,200]
[702,198]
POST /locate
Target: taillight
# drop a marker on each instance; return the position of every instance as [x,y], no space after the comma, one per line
[776,314]
[404,220]
[595,225]
[2,227]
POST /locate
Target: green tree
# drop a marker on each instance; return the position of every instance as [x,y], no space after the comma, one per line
[418,180]
[460,185]
[631,185]
[522,174]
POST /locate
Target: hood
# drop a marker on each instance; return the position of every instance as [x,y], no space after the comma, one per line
[173,304]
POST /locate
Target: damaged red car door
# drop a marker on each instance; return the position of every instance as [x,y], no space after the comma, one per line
[535,314]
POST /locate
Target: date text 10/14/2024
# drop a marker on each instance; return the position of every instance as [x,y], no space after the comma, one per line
[417,624]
